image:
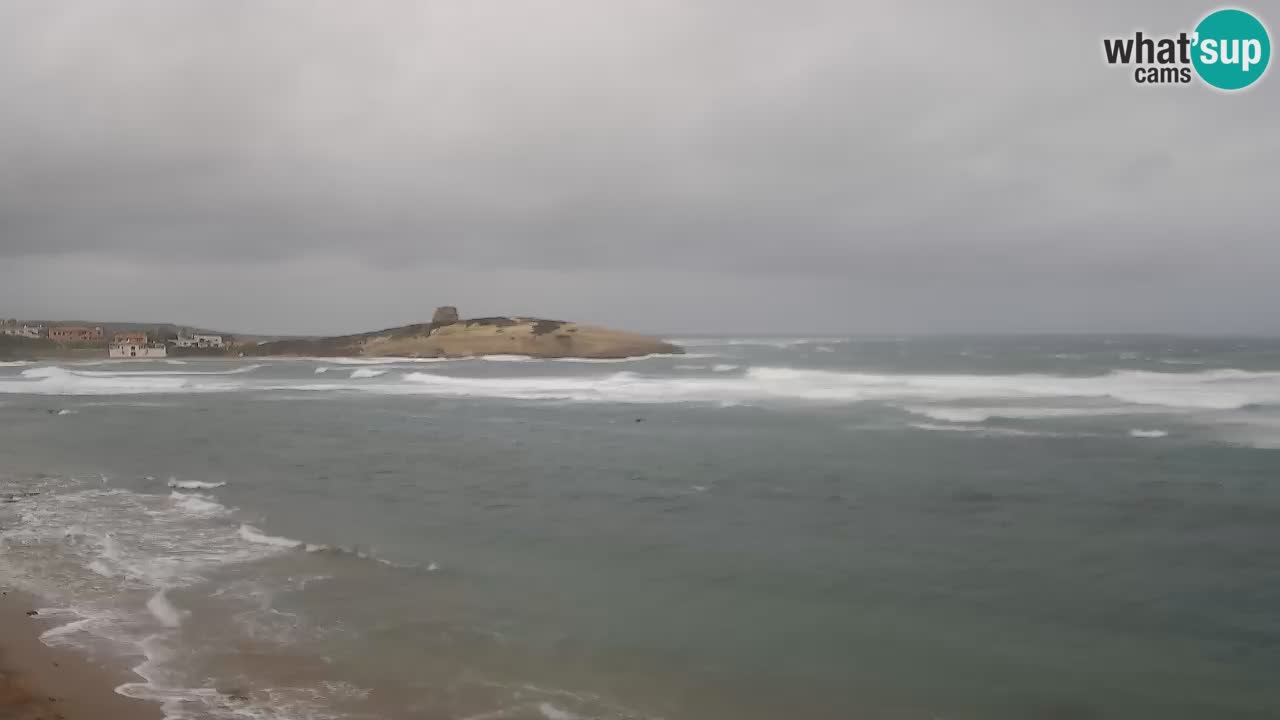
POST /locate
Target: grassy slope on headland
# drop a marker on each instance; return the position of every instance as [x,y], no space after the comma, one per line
[480,336]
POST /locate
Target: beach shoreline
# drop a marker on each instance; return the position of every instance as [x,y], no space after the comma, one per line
[38,682]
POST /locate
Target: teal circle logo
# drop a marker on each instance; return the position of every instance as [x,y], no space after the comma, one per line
[1232,49]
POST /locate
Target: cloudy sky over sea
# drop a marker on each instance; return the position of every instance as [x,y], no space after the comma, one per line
[662,165]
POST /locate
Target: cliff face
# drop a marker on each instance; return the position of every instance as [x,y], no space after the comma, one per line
[483,336]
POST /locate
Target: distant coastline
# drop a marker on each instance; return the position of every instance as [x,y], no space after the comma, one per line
[446,336]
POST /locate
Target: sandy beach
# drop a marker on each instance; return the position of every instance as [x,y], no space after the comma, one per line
[42,683]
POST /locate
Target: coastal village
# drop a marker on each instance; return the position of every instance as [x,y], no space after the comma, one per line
[126,344]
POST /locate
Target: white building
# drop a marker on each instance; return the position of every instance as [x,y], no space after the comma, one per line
[134,349]
[198,340]
[27,331]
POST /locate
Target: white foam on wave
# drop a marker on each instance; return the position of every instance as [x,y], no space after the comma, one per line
[110,549]
[386,360]
[983,414]
[127,543]
[50,636]
[507,358]
[953,415]
[621,386]
[1139,433]
[359,361]
[723,367]
[244,369]
[1214,389]
[1203,390]
[130,404]
[195,484]
[54,380]
[359,373]
[1209,390]
[196,503]
[252,534]
[551,712]
[981,431]
[780,342]
[321,370]
[163,610]
[149,540]
[114,559]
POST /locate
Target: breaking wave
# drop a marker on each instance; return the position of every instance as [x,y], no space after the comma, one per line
[148,373]
[388,360]
[196,504]
[194,484]
[54,380]
[758,342]
[1123,390]
[249,533]
[1148,433]
[359,373]
[164,611]
[981,431]
[92,550]
[983,414]
[1210,390]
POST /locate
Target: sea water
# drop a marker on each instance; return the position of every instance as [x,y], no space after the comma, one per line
[816,528]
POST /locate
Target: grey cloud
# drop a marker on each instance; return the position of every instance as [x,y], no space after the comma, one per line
[976,164]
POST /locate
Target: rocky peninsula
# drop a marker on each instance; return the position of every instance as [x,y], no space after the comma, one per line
[448,335]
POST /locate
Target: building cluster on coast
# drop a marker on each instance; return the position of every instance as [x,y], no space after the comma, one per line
[128,344]
[15,329]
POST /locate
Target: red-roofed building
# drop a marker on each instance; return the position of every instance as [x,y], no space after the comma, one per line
[75,334]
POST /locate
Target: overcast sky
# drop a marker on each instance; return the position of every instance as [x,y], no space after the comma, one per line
[668,166]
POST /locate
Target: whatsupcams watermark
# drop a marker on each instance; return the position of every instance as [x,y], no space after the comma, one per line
[1229,49]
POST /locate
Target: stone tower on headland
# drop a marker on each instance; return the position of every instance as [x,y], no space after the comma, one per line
[445,315]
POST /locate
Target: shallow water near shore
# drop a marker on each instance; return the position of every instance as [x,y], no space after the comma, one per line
[822,528]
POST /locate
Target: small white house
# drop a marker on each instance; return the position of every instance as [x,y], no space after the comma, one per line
[26,331]
[207,341]
[13,328]
[136,350]
[198,340]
